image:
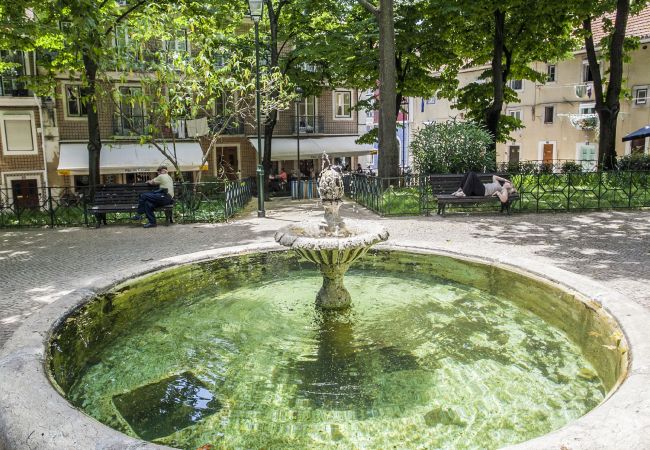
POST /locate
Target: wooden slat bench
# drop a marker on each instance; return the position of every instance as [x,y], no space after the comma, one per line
[443,185]
[114,198]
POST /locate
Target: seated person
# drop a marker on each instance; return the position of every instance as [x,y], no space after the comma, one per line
[282,177]
[472,185]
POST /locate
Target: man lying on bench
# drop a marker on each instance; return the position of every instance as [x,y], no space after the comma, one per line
[471,185]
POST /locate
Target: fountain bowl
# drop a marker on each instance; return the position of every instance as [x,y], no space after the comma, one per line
[333,252]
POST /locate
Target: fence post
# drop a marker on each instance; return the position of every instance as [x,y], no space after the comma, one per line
[600,184]
[49,202]
[537,196]
[629,192]
[568,196]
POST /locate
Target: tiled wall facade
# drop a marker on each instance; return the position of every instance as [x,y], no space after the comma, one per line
[31,165]
[76,128]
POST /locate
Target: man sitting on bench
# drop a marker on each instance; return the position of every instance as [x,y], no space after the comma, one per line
[471,185]
[162,196]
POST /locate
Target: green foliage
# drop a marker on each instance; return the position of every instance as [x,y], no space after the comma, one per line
[636,161]
[571,167]
[532,31]
[452,147]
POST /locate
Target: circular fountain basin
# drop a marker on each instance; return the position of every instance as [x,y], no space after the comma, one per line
[232,353]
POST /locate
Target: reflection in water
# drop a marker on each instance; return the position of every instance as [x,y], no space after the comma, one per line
[343,372]
[159,409]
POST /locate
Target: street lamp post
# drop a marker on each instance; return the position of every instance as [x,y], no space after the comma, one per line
[256,7]
[299,91]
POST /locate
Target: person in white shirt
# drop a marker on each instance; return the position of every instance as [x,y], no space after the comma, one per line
[162,196]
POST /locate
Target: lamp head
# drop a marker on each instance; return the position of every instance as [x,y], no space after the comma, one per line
[256,7]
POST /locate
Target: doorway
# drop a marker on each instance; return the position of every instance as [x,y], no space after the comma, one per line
[25,194]
[227,162]
[547,153]
[513,154]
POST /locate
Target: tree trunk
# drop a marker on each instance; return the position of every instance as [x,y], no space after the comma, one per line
[607,139]
[388,149]
[94,136]
[607,103]
[493,113]
[267,163]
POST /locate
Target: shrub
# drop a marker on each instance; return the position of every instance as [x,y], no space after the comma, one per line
[452,147]
[571,167]
[636,161]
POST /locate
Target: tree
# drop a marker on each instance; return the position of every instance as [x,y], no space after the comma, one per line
[508,36]
[345,49]
[206,77]
[614,48]
[72,36]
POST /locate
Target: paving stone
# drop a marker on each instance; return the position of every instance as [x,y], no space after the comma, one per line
[38,266]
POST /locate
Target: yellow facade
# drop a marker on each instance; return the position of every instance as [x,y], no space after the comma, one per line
[549,134]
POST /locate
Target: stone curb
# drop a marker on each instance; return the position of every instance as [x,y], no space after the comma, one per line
[33,415]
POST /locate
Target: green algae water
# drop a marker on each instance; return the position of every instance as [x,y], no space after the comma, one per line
[232,353]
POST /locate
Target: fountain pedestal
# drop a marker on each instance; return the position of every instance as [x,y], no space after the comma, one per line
[333,294]
[332,245]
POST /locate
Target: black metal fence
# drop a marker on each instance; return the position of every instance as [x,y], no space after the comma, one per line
[32,206]
[538,192]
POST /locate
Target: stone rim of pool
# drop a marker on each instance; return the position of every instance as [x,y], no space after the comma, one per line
[33,414]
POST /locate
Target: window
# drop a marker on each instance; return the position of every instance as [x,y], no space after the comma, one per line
[516,113]
[549,113]
[121,37]
[342,104]
[10,82]
[637,146]
[180,44]
[307,115]
[587,108]
[75,107]
[640,95]
[431,101]
[517,85]
[550,73]
[18,134]
[586,73]
[131,117]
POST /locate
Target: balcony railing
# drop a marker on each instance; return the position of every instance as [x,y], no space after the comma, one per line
[130,125]
[311,125]
[233,127]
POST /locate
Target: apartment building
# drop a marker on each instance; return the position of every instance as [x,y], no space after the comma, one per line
[44,141]
[559,116]
[27,134]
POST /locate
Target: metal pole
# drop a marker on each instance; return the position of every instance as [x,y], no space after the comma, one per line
[300,193]
[260,167]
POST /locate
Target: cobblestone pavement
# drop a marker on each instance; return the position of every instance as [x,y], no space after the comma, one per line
[39,266]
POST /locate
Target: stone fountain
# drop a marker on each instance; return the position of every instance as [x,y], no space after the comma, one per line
[333,244]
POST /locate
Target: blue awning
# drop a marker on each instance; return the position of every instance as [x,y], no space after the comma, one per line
[638,134]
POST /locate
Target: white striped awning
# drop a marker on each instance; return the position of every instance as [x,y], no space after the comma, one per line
[128,157]
[285,149]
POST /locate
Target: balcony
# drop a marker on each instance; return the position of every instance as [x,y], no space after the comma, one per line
[310,125]
[233,127]
[130,125]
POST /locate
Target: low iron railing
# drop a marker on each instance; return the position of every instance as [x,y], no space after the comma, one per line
[538,192]
[55,206]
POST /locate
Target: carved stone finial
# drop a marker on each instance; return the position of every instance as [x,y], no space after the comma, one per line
[330,183]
